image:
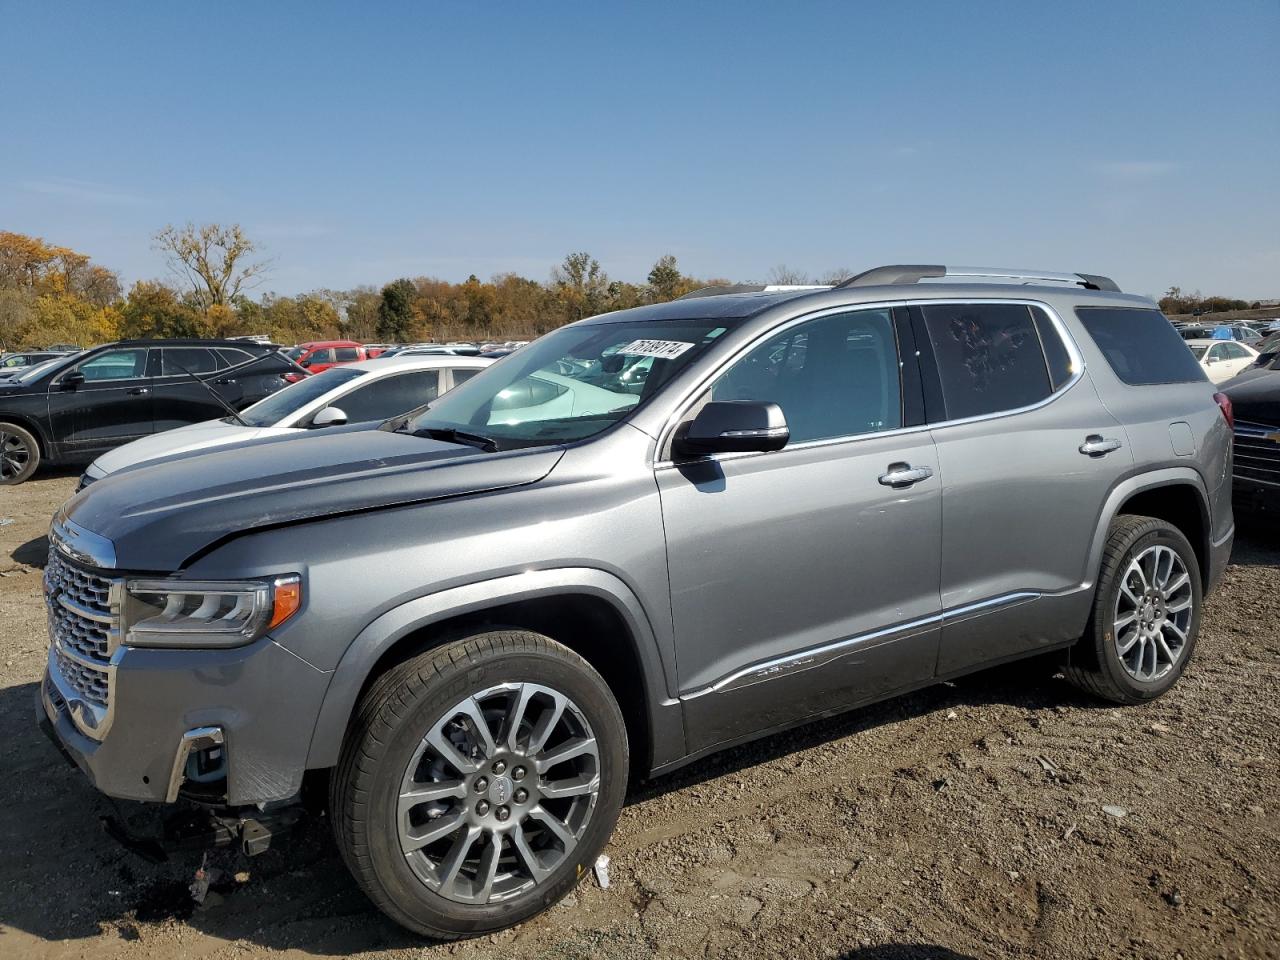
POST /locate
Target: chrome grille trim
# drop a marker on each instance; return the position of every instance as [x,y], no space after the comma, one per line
[85,633]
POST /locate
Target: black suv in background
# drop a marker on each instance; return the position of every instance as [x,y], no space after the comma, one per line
[71,411]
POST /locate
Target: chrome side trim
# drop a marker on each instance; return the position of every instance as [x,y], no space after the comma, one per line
[200,738]
[80,544]
[828,652]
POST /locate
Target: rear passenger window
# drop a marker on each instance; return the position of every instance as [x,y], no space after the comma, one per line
[990,357]
[178,361]
[1141,346]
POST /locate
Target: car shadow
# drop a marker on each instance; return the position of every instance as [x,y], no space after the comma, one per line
[33,553]
[64,878]
[905,951]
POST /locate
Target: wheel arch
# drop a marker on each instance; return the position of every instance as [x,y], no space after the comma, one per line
[590,611]
[1176,495]
[32,427]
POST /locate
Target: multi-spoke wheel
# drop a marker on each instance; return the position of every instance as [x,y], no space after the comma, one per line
[1146,613]
[477,782]
[19,454]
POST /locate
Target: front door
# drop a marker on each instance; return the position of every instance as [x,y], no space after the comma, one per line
[111,406]
[806,581]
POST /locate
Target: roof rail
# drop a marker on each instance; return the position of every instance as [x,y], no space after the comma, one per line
[915,272]
[722,289]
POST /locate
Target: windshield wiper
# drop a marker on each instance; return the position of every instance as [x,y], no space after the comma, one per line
[212,392]
[450,435]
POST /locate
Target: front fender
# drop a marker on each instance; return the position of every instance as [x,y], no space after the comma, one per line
[664,714]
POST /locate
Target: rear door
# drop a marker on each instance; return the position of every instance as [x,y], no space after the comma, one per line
[184,385]
[801,581]
[113,404]
[1028,454]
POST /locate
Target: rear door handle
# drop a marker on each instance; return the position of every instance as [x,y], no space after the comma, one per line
[904,475]
[1096,446]
[139,392]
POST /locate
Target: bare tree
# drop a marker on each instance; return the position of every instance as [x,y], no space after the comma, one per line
[213,260]
[782,274]
[836,276]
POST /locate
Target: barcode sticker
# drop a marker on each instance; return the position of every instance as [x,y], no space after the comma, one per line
[666,349]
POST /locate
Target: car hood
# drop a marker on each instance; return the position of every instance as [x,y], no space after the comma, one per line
[1255,396]
[195,436]
[157,516]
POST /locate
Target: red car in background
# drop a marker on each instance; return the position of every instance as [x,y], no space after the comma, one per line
[319,355]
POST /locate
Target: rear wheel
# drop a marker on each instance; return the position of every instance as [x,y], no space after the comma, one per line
[478,782]
[1146,614]
[19,454]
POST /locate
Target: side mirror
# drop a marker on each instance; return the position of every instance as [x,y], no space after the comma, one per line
[329,417]
[72,380]
[734,426]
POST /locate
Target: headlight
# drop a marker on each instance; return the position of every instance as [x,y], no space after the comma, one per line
[177,613]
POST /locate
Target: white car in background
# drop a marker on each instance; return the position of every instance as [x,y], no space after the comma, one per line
[367,392]
[1222,359]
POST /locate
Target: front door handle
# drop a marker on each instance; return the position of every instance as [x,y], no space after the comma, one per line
[1096,446]
[139,392]
[904,475]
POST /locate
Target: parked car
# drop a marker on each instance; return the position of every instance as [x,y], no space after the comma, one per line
[71,409]
[456,350]
[12,361]
[478,622]
[1222,359]
[365,392]
[1255,397]
[1221,331]
[319,355]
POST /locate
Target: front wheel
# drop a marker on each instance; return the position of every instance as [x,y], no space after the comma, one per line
[478,782]
[1146,614]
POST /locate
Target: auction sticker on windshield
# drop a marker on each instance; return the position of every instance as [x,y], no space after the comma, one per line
[666,349]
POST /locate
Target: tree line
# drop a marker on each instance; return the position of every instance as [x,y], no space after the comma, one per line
[51,294]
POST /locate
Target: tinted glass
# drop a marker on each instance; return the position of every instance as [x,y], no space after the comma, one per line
[344,354]
[1140,345]
[390,396]
[989,357]
[833,377]
[284,403]
[194,359]
[1055,351]
[1198,351]
[462,376]
[1235,352]
[231,357]
[115,365]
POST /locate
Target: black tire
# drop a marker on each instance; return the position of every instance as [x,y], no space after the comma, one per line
[19,454]
[390,723]
[1094,664]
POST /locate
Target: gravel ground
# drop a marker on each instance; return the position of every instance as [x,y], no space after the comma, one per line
[969,820]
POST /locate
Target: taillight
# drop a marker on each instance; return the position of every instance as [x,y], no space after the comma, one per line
[1224,404]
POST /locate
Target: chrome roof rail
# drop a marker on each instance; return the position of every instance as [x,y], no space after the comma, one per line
[915,272]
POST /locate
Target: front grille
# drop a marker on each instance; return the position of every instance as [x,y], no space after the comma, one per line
[84,626]
[1257,454]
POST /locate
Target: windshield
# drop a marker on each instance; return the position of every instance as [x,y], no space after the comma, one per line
[571,384]
[294,353]
[286,402]
[1199,351]
[35,372]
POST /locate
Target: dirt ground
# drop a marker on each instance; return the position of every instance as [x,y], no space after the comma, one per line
[964,821]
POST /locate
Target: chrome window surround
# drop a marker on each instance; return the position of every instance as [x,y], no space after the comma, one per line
[1064,334]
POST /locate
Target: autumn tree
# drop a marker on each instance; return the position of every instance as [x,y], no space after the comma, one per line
[154,309]
[213,260]
[395,312]
[581,285]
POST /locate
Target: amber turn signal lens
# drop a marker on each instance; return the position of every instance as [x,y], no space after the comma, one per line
[287,599]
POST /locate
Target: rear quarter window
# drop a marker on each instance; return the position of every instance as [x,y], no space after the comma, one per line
[1140,345]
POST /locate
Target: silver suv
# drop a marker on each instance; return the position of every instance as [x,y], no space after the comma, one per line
[644,537]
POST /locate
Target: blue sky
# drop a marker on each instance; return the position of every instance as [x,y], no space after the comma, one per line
[362,143]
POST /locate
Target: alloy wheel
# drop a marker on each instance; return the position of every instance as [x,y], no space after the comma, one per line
[1152,616]
[498,793]
[15,455]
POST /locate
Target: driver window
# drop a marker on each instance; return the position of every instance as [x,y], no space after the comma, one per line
[115,365]
[836,376]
